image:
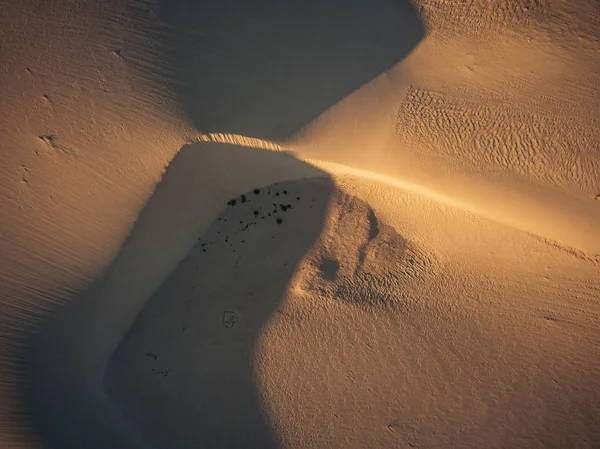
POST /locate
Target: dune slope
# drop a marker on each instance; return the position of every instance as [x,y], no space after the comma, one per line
[434,283]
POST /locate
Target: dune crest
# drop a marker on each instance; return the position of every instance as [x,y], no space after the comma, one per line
[299,224]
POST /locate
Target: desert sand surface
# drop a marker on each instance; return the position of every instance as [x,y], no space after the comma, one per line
[300,224]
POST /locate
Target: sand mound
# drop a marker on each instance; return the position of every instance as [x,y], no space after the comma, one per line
[67,361]
[269,68]
[191,351]
[430,278]
[362,261]
[392,333]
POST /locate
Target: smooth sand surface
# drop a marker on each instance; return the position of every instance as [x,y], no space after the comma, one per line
[290,224]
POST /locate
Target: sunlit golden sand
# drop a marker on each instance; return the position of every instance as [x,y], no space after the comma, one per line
[300,224]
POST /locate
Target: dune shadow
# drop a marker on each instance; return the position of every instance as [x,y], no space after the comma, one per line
[199,277]
[267,68]
[185,371]
[176,316]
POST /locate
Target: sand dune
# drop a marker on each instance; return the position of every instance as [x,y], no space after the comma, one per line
[299,224]
[369,315]
[269,68]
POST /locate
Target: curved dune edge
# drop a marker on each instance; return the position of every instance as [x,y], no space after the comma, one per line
[561,219]
[242,141]
[131,281]
[94,326]
[524,214]
[62,153]
[278,321]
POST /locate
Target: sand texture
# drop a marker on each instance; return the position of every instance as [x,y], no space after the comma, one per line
[299,224]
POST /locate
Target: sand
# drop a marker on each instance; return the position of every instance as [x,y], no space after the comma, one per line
[299,224]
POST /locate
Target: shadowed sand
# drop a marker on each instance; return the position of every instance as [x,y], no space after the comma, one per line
[259,70]
[266,69]
[68,360]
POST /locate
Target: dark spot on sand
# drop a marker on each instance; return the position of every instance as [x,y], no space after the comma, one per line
[329,269]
